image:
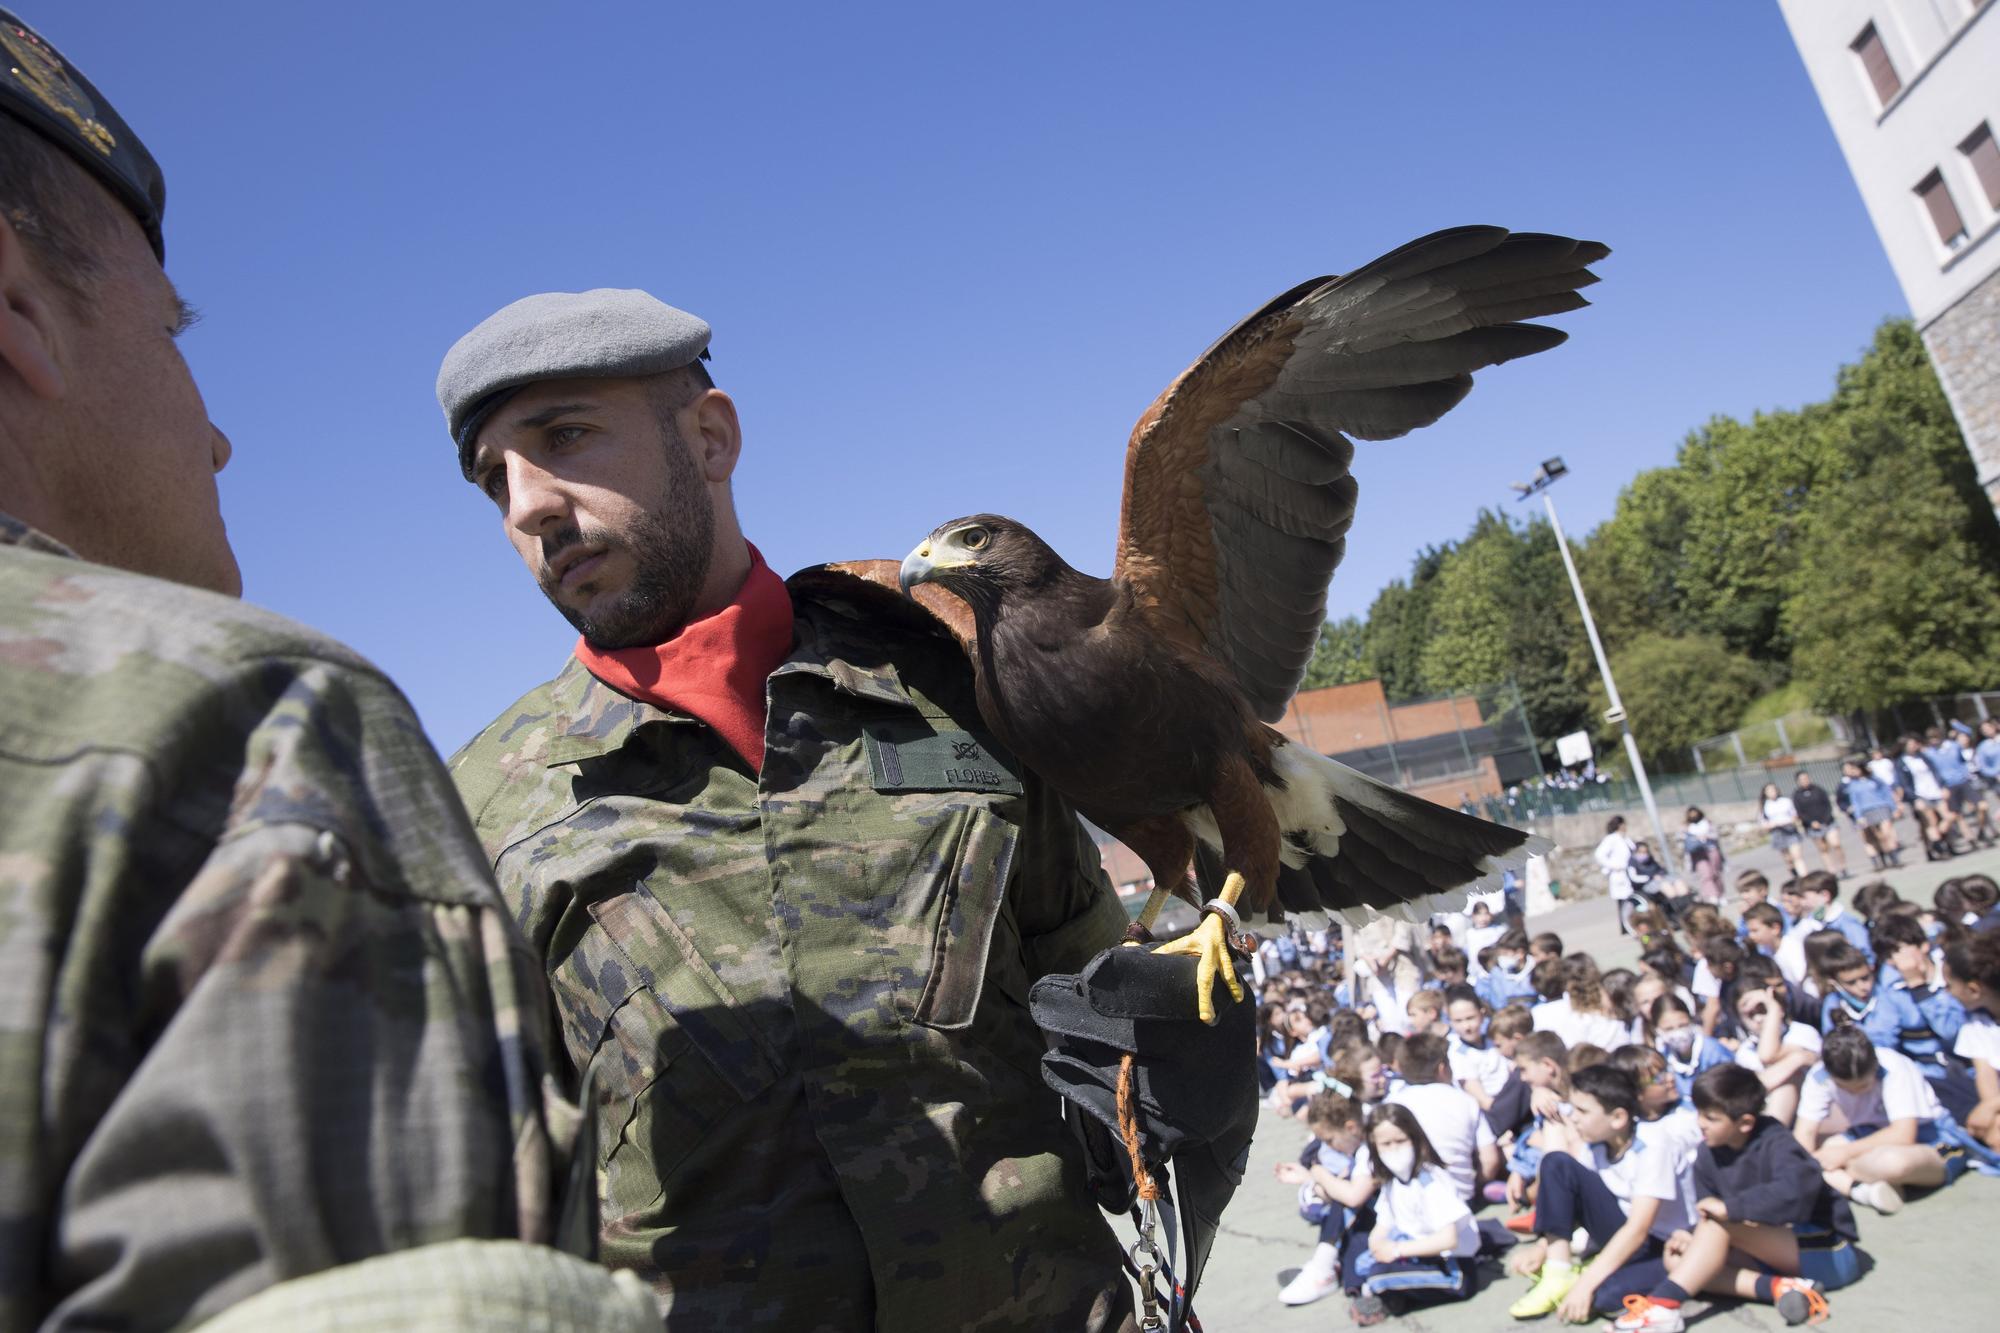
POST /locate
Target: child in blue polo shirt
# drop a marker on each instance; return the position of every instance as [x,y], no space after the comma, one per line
[1820,892]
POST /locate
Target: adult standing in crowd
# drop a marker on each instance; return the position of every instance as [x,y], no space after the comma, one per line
[789,895]
[1815,810]
[1614,857]
[1780,818]
[265,1031]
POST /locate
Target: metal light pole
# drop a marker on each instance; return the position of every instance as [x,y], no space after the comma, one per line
[1546,476]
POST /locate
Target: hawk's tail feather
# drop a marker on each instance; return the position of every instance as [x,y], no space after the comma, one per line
[1362,848]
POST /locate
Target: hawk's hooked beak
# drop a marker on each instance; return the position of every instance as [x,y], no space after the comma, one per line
[920,567]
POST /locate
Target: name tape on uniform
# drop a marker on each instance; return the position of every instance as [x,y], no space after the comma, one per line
[911,758]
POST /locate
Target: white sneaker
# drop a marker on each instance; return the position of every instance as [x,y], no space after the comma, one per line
[1880,1195]
[1313,1282]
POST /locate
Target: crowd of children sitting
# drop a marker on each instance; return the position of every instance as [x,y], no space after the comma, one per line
[1701,1123]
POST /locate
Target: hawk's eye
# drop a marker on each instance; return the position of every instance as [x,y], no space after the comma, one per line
[974,538]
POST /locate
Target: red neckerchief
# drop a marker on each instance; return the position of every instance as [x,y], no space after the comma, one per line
[714,668]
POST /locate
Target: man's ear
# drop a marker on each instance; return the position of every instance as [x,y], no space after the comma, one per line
[717,438]
[26,317]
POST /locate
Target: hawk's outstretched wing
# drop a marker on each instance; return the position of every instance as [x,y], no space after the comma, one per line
[1237,494]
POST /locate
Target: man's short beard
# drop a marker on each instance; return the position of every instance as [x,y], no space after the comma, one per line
[670,550]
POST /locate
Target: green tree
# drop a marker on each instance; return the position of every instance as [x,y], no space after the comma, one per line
[1340,656]
[1896,593]
[1503,611]
[1399,626]
[1631,565]
[1678,690]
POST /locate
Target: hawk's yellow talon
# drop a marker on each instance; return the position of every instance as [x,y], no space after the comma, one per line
[1208,944]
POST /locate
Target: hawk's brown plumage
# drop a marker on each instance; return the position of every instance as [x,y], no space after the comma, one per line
[1143,697]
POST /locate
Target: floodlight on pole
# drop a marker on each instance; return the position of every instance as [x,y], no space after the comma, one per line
[1552,470]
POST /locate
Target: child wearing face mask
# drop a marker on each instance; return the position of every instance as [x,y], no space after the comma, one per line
[1424,1234]
[1507,978]
[1687,1048]
[1327,1193]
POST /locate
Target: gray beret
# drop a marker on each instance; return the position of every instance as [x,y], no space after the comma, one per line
[608,333]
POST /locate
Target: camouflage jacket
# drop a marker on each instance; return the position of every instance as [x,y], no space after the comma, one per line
[802,996]
[261,1010]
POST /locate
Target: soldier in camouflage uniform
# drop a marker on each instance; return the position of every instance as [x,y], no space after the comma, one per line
[262,1014]
[796,970]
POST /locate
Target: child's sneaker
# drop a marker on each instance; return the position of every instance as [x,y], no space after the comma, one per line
[1367,1310]
[1643,1316]
[1314,1281]
[1797,1300]
[1550,1287]
[1521,1224]
[1880,1195]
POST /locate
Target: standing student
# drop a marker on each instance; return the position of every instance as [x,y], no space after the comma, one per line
[1780,818]
[1704,853]
[1896,1132]
[1761,1197]
[1423,1230]
[1961,788]
[1599,1176]
[1871,804]
[1815,809]
[1919,784]
[1972,972]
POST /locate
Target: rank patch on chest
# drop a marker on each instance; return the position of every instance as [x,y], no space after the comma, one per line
[909,757]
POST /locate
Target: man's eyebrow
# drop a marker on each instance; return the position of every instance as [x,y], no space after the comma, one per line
[536,420]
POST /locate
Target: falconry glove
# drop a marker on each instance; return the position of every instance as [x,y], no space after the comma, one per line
[1193,1086]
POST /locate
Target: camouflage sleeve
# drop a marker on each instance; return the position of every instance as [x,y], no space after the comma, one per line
[1067,910]
[316,1041]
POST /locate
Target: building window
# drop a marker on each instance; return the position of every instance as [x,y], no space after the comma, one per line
[1981,151]
[1944,213]
[1875,60]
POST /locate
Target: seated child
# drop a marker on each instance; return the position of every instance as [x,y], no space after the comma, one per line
[1448,967]
[1482,930]
[1820,893]
[1546,947]
[1426,1011]
[1720,957]
[1540,1059]
[1760,1200]
[1892,1130]
[1477,1067]
[1907,966]
[1688,1049]
[1423,1230]
[1762,928]
[1452,1121]
[1508,1111]
[1662,1118]
[1892,1018]
[1322,1175]
[1779,1052]
[1620,1188]
[1311,1036]
[1507,978]
[1972,971]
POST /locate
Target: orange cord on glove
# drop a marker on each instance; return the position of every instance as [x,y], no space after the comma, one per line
[1128,1129]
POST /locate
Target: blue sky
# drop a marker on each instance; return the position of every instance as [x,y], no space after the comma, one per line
[950,253]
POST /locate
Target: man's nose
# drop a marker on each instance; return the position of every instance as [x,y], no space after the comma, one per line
[535,502]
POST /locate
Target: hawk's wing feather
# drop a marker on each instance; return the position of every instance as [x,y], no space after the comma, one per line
[953,615]
[1237,492]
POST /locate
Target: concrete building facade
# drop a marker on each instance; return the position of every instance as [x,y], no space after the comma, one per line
[1912,91]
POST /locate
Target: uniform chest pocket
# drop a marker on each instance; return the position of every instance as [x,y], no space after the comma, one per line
[673,1056]
[965,915]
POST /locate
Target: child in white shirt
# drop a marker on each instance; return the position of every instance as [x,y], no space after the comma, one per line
[1972,974]
[1423,1233]
[1895,1124]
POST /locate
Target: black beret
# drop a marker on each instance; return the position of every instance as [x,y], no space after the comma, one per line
[49,95]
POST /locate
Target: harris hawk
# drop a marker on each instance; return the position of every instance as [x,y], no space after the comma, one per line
[1146,698]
